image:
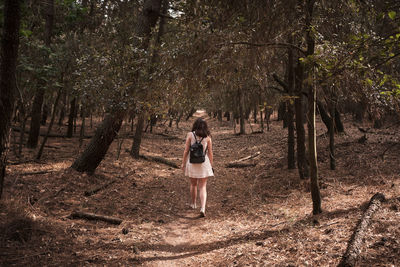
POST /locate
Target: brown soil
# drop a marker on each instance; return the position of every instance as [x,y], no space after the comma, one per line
[255,216]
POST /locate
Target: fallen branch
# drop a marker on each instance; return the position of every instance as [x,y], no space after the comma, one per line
[94,217]
[240,165]
[160,160]
[356,241]
[248,157]
[97,189]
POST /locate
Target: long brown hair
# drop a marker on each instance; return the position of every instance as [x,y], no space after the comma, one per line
[200,128]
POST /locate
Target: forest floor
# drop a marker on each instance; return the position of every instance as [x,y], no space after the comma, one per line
[258,215]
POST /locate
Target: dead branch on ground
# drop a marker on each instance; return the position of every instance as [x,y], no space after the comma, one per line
[94,217]
[160,160]
[356,241]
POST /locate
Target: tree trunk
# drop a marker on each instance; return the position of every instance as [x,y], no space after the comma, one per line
[219,115]
[290,111]
[326,119]
[62,110]
[45,113]
[332,136]
[53,117]
[70,129]
[349,258]
[34,129]
[301,135]
[137,139]
[338,121]
[99,144]
[312,98]
[9,55]
[241,113]
[82,130]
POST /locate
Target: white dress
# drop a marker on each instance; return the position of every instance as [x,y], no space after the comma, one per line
[198,170]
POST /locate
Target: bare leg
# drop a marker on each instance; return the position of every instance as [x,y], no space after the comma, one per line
[193,192]
[203,194]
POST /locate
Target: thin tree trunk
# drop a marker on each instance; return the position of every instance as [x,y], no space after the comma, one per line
[301,135]
[34,129]
[62,111]
[312,151]
[9,55]
[241,113]
[312,98]
[137,139]
[82,130]
[338,121]
[53,117]
[332,137]
[99,144]
[290,111]
[70,129]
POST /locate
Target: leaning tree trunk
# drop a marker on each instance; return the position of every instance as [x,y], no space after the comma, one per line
[99,144]
[9,55]
[350,257]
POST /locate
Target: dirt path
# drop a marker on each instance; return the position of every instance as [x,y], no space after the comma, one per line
[255,216]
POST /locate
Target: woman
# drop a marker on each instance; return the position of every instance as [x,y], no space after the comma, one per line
[198,172]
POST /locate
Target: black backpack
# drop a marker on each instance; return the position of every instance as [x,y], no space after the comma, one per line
[197,155]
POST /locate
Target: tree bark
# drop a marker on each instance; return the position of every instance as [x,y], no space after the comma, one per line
[290,111]
[338,122]
[137,139]
[332,136]
[312,98]
[34,131]
[301,135]
[99,144]
[9,55]
[53,117]
[355,243]
[36,112]
[70,129]
[241,112]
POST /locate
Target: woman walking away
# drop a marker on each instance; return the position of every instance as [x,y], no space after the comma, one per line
[197,162]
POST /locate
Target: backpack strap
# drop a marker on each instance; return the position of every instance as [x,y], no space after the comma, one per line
[196,138]
[205,151]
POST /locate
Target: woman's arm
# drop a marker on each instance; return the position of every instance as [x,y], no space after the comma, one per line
[210,151]
[186,152]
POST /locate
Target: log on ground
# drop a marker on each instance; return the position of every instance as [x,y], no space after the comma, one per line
[356,241]
[160,160]
[94,217]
